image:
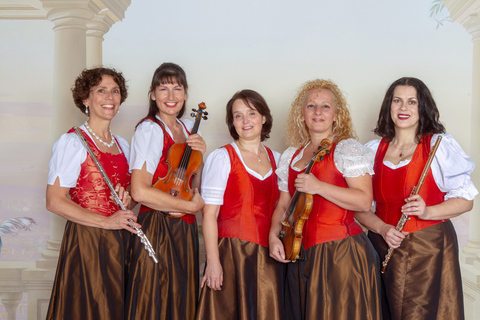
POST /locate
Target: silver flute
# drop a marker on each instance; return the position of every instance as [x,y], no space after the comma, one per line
[140,234]
[416,190]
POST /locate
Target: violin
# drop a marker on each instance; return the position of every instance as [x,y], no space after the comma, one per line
[299,209]
[183,163]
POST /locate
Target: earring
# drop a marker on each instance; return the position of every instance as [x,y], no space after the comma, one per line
[86,110]
[118,111]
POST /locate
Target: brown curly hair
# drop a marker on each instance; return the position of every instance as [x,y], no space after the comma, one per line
[297,133]
[90,78]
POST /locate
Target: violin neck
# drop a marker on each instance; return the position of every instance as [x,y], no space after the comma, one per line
[310,165]
[296,194]
[188,151]
[293,202]
[195,126]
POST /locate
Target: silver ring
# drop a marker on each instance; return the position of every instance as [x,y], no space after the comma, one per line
[208,281]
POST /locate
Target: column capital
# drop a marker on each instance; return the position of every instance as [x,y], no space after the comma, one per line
[100,25]
[472,25]
[115,9]
[466,13]
[70,14]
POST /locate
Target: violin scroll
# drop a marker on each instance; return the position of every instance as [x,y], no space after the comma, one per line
[200,113]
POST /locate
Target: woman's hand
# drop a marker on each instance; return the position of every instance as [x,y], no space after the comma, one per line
[391,236]
[276,249]
[307,183]
[123,194]
[122,219]
[197,203]
[213,275]
[196,142]
[415,206]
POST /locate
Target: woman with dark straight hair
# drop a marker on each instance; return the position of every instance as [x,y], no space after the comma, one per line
[169,289]
[422,279]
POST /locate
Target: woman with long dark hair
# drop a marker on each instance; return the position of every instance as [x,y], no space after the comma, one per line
[422,279]
[169,289]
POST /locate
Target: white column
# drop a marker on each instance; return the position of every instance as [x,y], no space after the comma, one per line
[95,32]
[472,249]
[10,301]
[466,13]
[12,286]
[70,19]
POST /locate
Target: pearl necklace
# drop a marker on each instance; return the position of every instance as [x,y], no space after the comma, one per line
[111,144]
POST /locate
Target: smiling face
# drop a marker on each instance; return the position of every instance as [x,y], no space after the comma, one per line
[104,99]
[248,122]
[169,98]
[319,111]
[404,108]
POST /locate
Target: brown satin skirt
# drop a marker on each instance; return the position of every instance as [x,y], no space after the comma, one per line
[89,283]
[423,280]
[253,285]
[169,289]
[338,280]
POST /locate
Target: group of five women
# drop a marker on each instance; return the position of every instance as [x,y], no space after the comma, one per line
[246,188]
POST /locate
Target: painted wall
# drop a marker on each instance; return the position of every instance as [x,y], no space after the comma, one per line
[225,46]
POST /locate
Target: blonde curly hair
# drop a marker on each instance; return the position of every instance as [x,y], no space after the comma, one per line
[297,133]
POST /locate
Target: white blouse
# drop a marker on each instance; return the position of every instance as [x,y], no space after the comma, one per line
[68,154]
[147,144]
[351,158]
[451,167]
[216,171]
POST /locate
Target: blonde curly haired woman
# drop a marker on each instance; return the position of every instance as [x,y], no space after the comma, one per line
[338,277]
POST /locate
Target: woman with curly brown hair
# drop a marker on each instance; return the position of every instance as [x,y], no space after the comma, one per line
[89,283]
[426,251]
[337,275]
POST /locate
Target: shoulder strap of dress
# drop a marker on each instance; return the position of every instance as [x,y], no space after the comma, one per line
[183,124]
[154,119]
[271,157]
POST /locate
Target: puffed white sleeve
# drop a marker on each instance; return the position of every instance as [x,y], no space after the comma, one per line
[124,145]
[147,146]
[452,169]
[215,176]
[353,159]
[373,145]
[68,154]
[283,167]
